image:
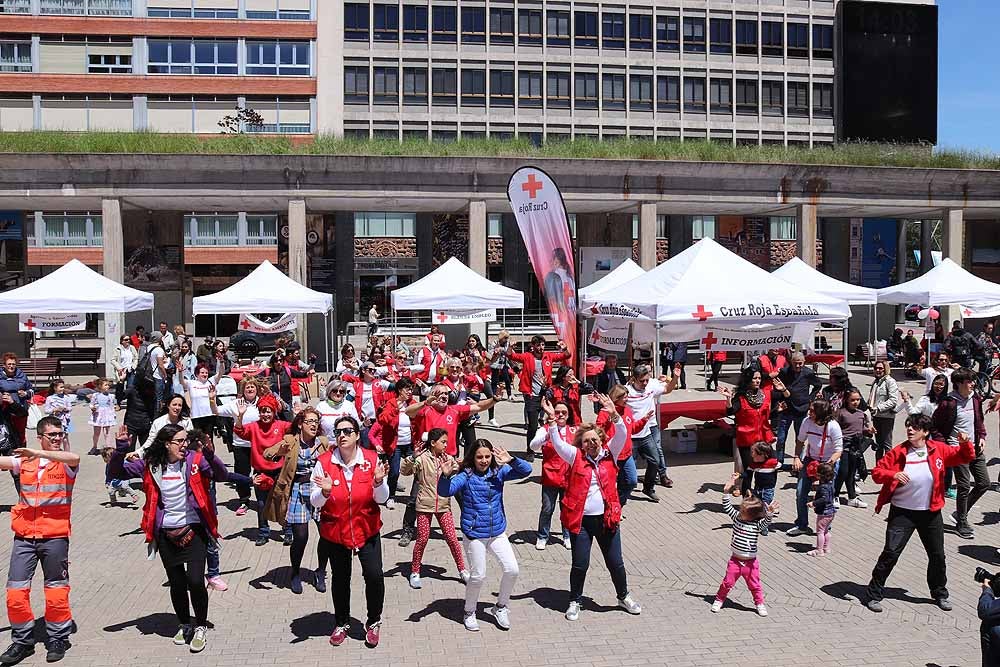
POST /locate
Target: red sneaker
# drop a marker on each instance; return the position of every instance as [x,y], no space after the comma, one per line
[371,634]
[339,635]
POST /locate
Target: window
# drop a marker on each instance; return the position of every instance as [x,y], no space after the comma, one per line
[585,84]
[15,57]
[380,223]
[585,28]
[281,58]
[72,229]
[474,25]
[529,89]
[444,136]
[746,96]
[385,85]
[356,84]
[746,37]
[823,100]
[415,85]
[668,93]
[444,23]
[721,34]
[721,96]
[668,33]
[81,7]
[15,7]
[557,90]
[177,56]
[444,86]
[640,32]
[798,98]
[494,225]
[211,229]
[702,227]
[108,63]
[771,99]
[798,40]
[414,23]
[356,22]
[694,35]
[529,26]
[501,25]
[823,42]
[501,88]
[557,27]
[783,228]
[613,26]
[641,92]
[386,23]
[694,94]
[474,87]
[770,38]
[190,12]
[613,89]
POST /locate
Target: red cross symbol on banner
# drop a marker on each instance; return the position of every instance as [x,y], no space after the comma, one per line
[442,317]
[967,312]
[245,324]
[532,186]
[709,340]
[30,324]
[701,314]
[595,310]
[596,336]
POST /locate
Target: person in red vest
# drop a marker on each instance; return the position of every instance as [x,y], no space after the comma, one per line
[41,524]
[349,484]
[568,389]
[628,477]
[535,378]
[554,470]
[716,360]
[770,365]
[432,357]
[751,405]
[590,507]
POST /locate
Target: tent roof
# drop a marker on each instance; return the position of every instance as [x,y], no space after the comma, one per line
[266,290]
[944,285]
[454,286]
[622,273]
[74,288]
[799,273]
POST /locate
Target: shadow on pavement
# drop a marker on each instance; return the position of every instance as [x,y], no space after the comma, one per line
[980,552]
[729,604]
[161,624]
[846,590]
[702,507]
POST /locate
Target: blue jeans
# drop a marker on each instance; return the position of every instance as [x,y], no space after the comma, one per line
[161,388]
[550,496]
[610,543]
[212,558]
[803,493]
[785,419]
[628,479]
[648,447]
[263,528]
[394,464]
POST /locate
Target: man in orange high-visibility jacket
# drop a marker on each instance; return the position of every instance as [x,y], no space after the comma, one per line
[41,526]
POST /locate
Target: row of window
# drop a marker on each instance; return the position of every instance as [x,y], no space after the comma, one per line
[583,90]
[86,229]
[266,10]
[609,30]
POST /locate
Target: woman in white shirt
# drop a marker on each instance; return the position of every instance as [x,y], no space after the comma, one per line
[335,406]
[185,363]
[927,404]
[176,412]
[201,391]
[819,439]
[124,362]
[250,389]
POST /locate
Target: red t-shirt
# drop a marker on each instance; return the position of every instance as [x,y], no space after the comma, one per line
[428,418]
[260,439]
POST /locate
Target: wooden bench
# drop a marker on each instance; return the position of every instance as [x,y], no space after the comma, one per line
[76,354]
[40,369]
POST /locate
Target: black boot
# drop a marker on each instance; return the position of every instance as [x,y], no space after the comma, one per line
[15,653]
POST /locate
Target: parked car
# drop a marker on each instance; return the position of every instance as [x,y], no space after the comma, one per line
[249,343]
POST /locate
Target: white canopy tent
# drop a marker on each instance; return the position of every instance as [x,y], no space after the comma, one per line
[454,286]
[944,285]
[624,272]
[267,290]
[74,288]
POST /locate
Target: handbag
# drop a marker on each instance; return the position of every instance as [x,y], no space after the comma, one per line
[812,467]
[179,537]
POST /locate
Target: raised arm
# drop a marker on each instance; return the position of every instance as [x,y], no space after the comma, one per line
[541,435]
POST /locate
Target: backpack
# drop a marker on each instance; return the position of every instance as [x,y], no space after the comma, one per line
[960,348]
[144,370]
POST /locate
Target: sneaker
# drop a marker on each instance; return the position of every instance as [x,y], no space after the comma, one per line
[761,610]
[296,585]
[390,504]
[629,604]
[667,482]
[464,576]
[15,653]
[415,581]
[651,494]
[965,531]
[764,531]
[502,617]
[839,501]
[857,502]
[180,639]
[470,622]
[944,604]
[573,613]
[371,634]
[951,493]
[494,423]
[262,539]
[112,495]
[93,452]
[568,543]
[287,540]
[406,537]
[56,650]
[663,480]
[217,583]
[795,531]
[339,635]
[875,606]
[816,553]
[717,606]
[540,544]
[954,519]
[319,581]
[529,456]
[200,640]
[132,495]
[241,510]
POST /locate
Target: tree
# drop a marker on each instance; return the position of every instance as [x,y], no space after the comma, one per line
[239,122]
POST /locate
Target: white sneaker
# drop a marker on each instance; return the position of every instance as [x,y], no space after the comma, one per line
[717,606]
[471,624]
[629,604]
[573,613]
[795,531]
[415,581]
[568,542]
[390,504]
[464,576]
[540,544]
[840,501]
[494,423]
[761,610]
[857,502]
[502,616]
[954,518]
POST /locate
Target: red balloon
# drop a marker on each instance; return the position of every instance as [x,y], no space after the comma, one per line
[934,314]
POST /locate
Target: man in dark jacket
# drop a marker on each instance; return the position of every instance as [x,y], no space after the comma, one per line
[962,346]
[610,376]
[989,629]
[792,405]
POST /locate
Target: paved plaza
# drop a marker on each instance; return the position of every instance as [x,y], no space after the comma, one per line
[675,551]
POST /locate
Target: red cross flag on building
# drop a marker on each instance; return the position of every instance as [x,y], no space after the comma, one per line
[541,218]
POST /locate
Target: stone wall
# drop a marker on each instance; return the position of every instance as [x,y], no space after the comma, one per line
[494,252]
[782,251]
[662,251]
[451,238]
[385,247]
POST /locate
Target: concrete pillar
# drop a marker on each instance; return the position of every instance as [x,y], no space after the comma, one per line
[477,251]
[297,255]
[329,68]
[114,268]
[926,246]
[806,228]
[953,247]
[647,236]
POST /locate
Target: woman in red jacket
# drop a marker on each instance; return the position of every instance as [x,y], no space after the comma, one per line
[261,435]
[397,433]
[912,479]
[554,470]
[751,406]
[628,478]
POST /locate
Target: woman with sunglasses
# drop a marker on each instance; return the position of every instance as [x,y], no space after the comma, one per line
[279,377]
[262,435]
[348,359]
[349,484]
[335,406]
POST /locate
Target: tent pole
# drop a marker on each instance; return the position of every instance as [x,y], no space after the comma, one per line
[657,371]
[326,338]
[522,329]
[582,348]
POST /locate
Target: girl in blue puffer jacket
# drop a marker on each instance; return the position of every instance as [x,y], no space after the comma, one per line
[479,485]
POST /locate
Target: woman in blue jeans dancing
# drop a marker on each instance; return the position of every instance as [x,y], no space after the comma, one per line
[820,439]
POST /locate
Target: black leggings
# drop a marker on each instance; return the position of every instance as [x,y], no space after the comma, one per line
[370,555]
[848,468]
[241,464]
[300,538]
[184,580]
[714,378]
[745,460]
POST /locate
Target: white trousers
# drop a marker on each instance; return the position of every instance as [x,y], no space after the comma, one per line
[475,555]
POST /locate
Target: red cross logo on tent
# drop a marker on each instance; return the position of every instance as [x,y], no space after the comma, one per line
[442,317]
[709,340]
[532,186]
[30,324]
[967,312]
[245,324]
[701,314]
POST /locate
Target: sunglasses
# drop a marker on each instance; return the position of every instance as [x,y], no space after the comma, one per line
[59,435]
[347,430]
[338,391]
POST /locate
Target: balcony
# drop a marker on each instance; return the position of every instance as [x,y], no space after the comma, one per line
[201,230]
[69,231]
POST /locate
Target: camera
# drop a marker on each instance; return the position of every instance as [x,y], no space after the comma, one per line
[982,575]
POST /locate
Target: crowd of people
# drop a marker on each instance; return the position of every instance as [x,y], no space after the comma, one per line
[333,465]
